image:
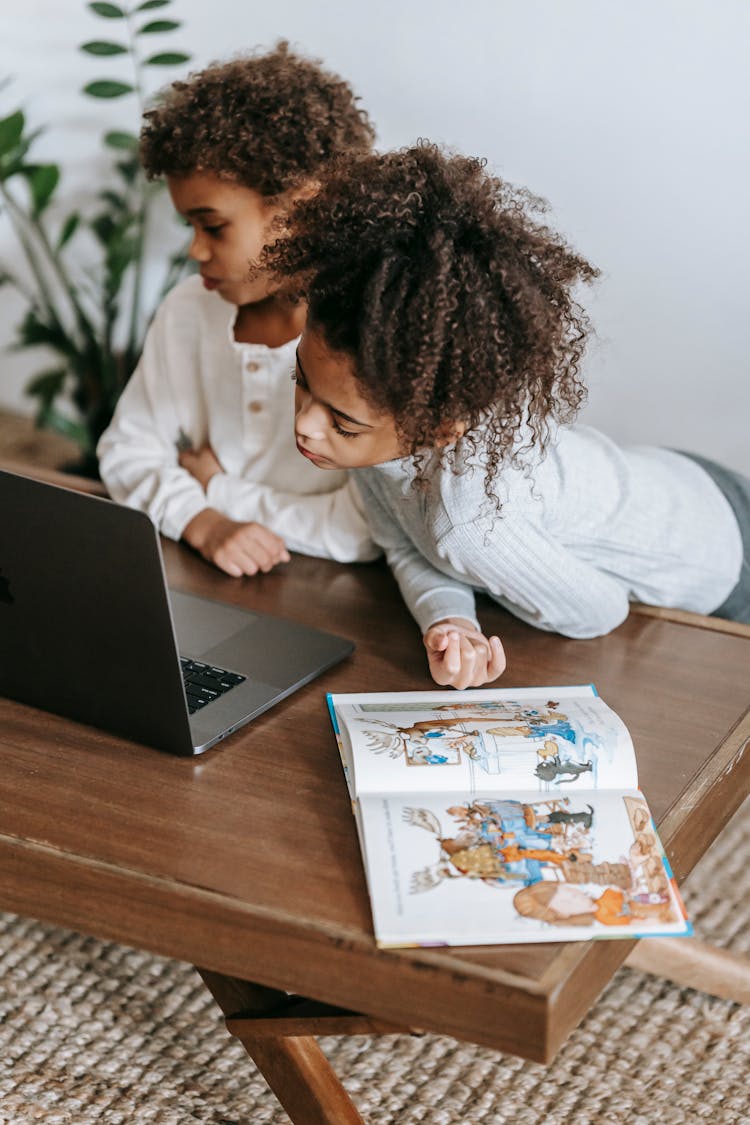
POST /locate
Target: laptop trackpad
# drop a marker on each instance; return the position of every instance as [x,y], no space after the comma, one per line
[202,624]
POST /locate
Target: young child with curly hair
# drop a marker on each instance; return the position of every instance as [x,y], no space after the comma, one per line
[441,362]
[202,436]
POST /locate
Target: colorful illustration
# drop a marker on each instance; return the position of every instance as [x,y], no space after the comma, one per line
[545,851]
[497,736]
[502,816]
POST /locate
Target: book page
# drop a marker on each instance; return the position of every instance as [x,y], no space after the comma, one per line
[495,869]
[544,740]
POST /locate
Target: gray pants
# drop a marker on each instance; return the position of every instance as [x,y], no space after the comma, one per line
[736,489]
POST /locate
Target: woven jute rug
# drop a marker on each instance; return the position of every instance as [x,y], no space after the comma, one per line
[94,1032]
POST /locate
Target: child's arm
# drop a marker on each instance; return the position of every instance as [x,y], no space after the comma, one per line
[527,569]
[223,517]
[170,395]
[458,653]
[141,464]
[138,452]
[329,525]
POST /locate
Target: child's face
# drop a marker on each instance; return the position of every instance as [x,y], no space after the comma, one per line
[334,425]
[231,224]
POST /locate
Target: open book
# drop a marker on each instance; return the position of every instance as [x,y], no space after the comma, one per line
[502,816]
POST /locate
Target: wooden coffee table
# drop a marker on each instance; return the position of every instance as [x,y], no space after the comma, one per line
[245,861]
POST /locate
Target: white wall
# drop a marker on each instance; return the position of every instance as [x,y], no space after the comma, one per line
[630,116]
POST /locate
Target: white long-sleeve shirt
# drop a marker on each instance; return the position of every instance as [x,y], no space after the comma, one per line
[586,530]
[194,378]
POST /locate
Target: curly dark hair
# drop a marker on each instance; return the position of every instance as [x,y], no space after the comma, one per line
[266,121]
[453,301]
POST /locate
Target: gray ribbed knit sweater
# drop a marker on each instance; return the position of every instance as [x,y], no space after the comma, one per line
[582,532]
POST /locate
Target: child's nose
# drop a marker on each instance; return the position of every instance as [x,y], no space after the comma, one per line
[309,418]
[199,249]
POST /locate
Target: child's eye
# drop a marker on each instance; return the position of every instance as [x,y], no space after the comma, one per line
[344,433]
[214,231]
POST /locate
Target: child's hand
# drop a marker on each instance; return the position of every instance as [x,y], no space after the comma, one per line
[236,548]
[200,463]
[461,656]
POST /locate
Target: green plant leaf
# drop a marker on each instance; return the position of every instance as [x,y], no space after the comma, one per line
[158,25]
[47,384]
[69,228]
[103,227]
[52,419]
[117,264]
[42,180]
[109,11]
[117,139]
[128,169]
[167,58]
[34,331]
[114,199]
[149,5]
[106,88]
[11,131]
[12,162]
[102,47]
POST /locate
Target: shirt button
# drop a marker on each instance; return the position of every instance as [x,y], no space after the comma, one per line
[251,366]
[255,407]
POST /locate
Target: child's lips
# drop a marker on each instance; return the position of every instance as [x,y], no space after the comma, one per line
[310,456]
[209,282]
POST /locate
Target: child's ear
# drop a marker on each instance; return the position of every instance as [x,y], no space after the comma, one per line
[448,433]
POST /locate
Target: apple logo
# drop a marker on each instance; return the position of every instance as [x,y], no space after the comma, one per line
[5,594]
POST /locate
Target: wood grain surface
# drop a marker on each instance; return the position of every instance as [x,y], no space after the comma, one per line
[245,861]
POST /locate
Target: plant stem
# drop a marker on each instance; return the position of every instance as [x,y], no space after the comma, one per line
[85,327]
[20,286]
[24,224]
[20,223]
[142,208]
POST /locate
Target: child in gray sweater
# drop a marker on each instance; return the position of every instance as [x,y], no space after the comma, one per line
[440,360]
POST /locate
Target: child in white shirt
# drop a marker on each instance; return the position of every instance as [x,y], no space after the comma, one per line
[202,437]
[440,360]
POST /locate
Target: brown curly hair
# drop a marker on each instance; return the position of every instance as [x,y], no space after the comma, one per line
[265,121]
[452,300]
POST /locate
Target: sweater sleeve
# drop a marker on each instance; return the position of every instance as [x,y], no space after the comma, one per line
[536,577]
[138,451]
[429,595]
[331,525]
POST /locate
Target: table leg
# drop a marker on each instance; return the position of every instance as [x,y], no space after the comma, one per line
[692,963]
[294,1067]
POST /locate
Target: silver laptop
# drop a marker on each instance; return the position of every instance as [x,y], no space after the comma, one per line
[89,630]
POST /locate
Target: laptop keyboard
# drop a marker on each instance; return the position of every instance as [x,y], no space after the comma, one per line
[204,683]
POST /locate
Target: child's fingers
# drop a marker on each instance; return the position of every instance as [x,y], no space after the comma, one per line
[482,661]
[453,656]
[463,660]
[226,563]
[444,656]
[497,661]
[265,544]
[235,561]
[473,662]
[436,639]
[455,665]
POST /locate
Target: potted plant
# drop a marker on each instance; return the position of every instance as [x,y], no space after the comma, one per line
[87,306]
